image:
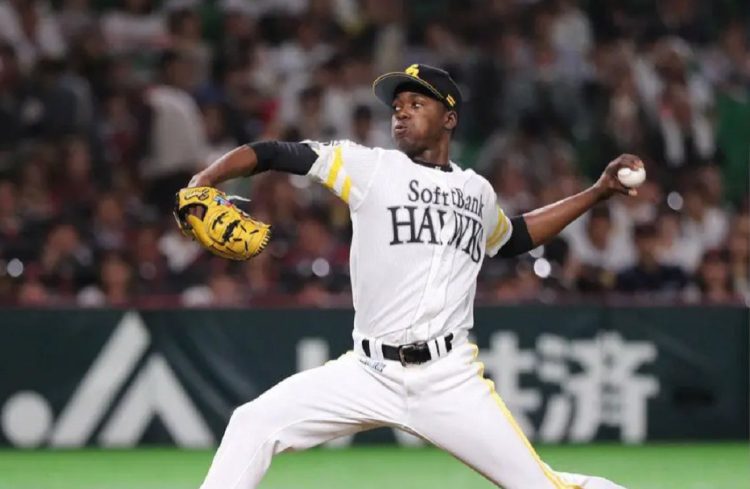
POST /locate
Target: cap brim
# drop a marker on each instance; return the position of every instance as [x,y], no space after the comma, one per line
[385,86]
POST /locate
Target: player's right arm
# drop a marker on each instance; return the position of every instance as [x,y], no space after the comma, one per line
[523,233]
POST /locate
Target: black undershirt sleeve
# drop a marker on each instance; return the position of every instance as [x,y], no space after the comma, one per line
[520,240]
[295,158]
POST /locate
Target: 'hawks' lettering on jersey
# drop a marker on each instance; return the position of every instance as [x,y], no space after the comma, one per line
[419,237]
[423,223]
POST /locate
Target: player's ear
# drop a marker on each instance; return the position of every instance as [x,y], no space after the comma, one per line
[450,121]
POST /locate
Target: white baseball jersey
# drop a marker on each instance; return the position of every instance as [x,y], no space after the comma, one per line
[419,237]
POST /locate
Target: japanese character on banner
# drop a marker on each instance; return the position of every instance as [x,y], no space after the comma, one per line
[598,380]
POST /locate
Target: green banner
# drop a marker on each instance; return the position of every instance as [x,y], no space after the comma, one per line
[569,374]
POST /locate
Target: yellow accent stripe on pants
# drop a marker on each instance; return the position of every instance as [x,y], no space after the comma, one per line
[553,478]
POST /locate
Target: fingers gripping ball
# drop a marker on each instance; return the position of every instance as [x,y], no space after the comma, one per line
[211,218]
[631,178]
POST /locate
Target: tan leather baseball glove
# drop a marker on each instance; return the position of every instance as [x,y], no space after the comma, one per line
[210,217]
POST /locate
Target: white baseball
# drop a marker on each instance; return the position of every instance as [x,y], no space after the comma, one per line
[631,178]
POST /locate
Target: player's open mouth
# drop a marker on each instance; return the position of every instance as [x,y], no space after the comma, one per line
[399,130]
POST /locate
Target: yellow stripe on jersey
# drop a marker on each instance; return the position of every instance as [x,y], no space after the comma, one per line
[557,483]
[500,229]
[335,168]
[333,176]
[346,189]
[498,226]
[503,231]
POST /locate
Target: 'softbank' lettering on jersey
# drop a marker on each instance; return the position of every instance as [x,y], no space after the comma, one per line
[424,223]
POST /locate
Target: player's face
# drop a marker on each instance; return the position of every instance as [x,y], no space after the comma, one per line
[418,122]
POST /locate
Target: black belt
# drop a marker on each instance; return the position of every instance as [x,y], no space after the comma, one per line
[412,353]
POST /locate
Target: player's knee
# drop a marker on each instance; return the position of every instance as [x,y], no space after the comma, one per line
[261,427]
[250,417]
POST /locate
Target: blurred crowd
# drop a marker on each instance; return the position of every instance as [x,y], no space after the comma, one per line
[109,106]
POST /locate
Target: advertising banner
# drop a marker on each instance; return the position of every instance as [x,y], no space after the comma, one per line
[111,378]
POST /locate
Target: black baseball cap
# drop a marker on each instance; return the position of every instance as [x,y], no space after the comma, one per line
[436,83]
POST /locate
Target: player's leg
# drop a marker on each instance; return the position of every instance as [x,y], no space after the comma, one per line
[465,417]
[307,409]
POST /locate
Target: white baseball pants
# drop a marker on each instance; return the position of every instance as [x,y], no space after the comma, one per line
[446,402]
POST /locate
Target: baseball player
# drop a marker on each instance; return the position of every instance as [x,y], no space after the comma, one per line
[422,227]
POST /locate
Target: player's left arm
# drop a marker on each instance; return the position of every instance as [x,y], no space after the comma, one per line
[535,228]
[255,158]
[347,169]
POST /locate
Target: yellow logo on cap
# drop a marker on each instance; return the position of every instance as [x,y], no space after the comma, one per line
[413,70]
[451,101]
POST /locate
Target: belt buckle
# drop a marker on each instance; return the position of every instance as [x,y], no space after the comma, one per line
[411,347]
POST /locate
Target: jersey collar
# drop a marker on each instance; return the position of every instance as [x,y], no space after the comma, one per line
[446,168]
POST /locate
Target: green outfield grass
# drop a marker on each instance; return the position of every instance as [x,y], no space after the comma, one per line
[696,466]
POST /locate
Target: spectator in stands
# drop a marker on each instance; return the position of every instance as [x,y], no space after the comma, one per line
[596,246]
[520,284]
[109,227]
[668,63]
[222,290]
[649,275]
[674,247]
[298,57]
[20,111]
[284,205]
[314,292]
[571,28]
[440,46]
[556,74]
[66,261]
[151,268]
[76,189]
[364,131]
[713,186]
[32,30]
[261,278]
[116,284]
[136,25]
[217,136]
[119,132]
[513,188]
[34,195]
[625,124]
[683,18]
[295,61]
[186,30]
[730,58]
[75,17]
[702,222]
[713,280]
[64,100]
[686,137]
[33,293]
[177,135]
[312,123]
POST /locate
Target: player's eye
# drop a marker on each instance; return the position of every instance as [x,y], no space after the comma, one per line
[416,105]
